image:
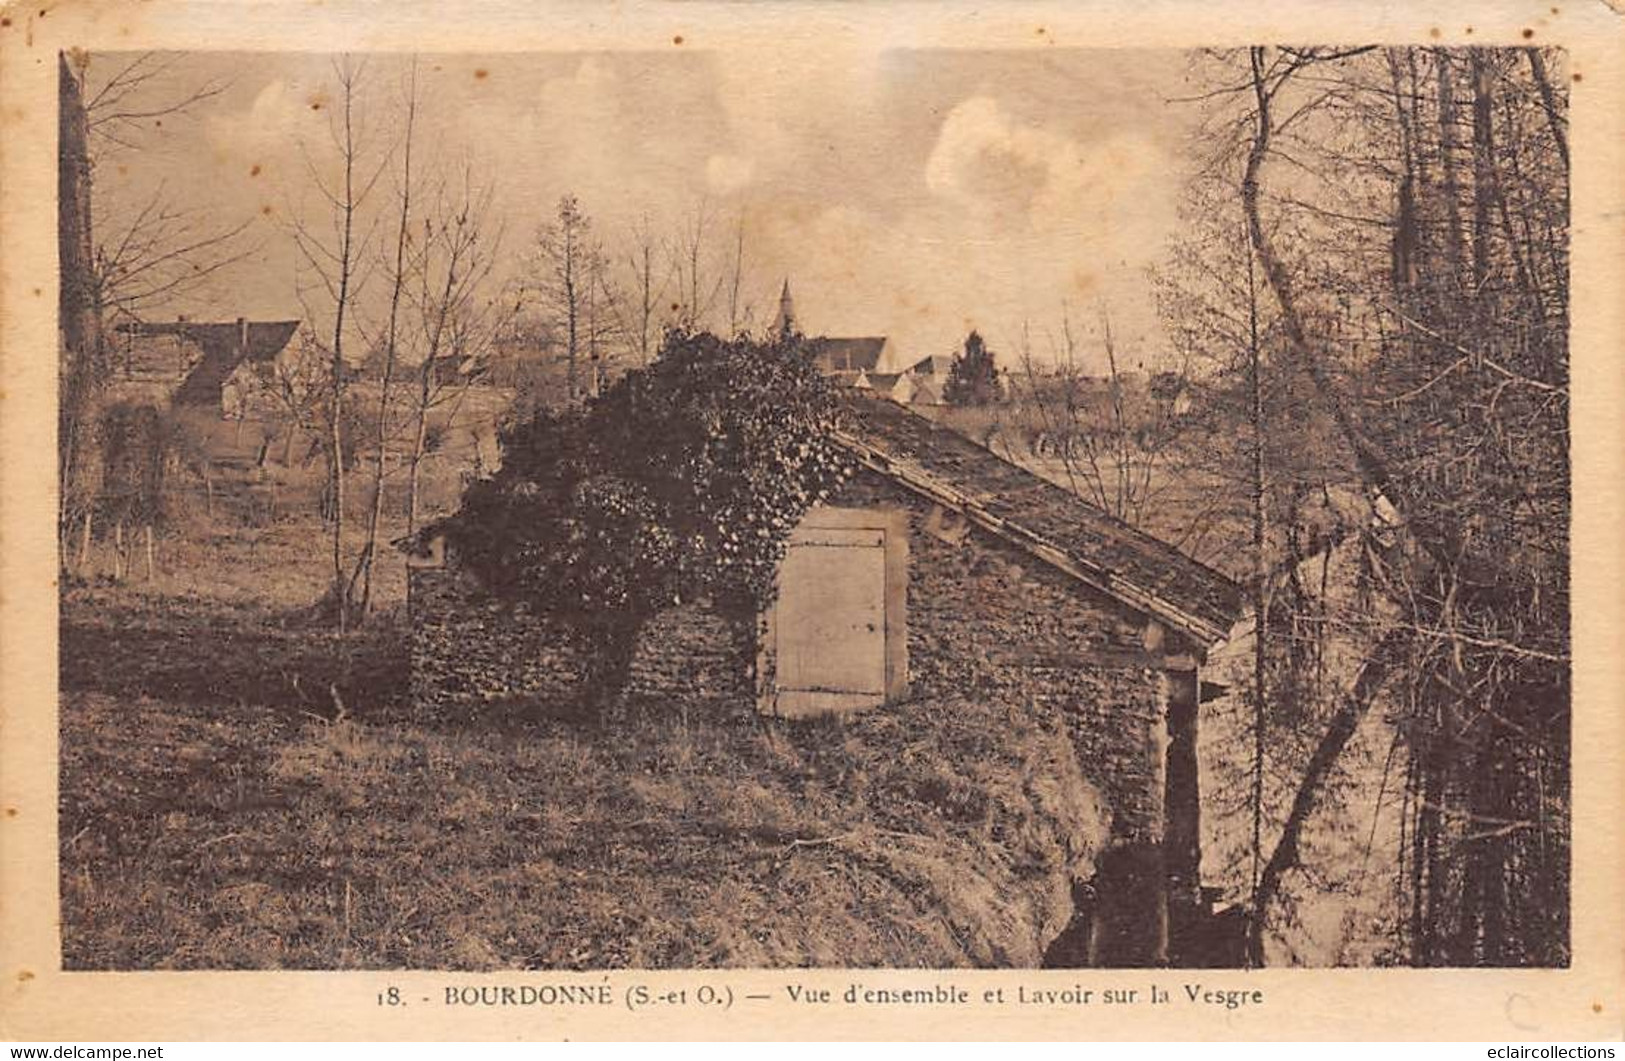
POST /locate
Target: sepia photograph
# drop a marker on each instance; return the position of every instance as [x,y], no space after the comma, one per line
[1055,507]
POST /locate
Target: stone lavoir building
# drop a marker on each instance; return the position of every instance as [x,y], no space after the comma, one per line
[939,567]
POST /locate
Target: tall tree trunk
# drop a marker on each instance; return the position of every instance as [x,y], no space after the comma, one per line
[1406,242]
[79,303]
[1373,466]
[738,268]
[646,304]
[1368,683]
[1261,593]
[369,548]
[413,471]
[572,312]
[1450,183]
[426,394]
[336,413]
[1483,183]
[1524,265]
[1548,100]
[84,540]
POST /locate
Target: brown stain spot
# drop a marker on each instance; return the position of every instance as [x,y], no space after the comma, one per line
[1469,29]
[1041,31]
[677,39]
[266,210]
[1577,76]
[1596,1007]
[4,22]
[11,812]
[24,976]
[1435,33]
[38,292]
[1527,33]
[254,170]
[481,75]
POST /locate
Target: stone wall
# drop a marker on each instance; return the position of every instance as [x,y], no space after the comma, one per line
[471,652]
[988,619]
[689,657]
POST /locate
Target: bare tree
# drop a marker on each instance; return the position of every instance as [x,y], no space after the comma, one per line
[160,252]
[292,386]
[120,108]
[361,599]
[152,250]
[458,315]
[571,280]
[640,304]
[697,289]
[337,263]
[738,314]
[1110,433]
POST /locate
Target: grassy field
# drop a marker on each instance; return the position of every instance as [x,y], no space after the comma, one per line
[244,788]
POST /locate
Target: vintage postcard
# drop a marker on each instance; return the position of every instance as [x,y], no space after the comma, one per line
[811,520]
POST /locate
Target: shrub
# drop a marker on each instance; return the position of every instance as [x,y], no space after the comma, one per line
[682,481]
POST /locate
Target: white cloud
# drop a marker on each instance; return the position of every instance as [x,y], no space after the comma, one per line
[274,120]
[986,161]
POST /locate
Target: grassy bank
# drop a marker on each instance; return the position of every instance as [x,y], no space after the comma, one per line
[242,788]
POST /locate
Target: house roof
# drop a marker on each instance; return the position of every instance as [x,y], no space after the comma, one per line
[222,347]
[927,390]
[834,354]
[1048,521]
[883,382]
[934,365]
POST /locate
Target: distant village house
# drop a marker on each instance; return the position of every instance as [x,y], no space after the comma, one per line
[856,362]
[188,363]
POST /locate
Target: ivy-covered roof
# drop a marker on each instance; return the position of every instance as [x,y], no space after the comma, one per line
[1045,519]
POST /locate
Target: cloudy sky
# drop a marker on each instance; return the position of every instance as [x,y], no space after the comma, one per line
[902,192]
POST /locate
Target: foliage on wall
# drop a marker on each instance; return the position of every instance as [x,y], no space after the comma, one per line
[682,481]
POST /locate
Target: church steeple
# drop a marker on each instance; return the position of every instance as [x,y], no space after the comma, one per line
[785,324]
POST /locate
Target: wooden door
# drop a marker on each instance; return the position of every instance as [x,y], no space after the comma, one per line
[837,638]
